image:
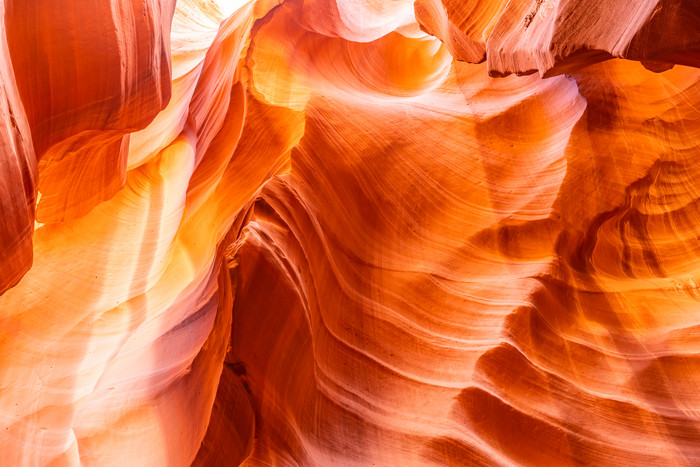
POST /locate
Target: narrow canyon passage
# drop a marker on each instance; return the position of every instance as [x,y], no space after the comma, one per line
[349,232]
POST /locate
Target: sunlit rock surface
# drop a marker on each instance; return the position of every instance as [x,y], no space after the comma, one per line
[334,232]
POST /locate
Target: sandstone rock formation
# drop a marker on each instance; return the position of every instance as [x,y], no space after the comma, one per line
[334,232]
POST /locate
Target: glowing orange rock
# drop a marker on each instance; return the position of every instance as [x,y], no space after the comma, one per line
[85,88]
[464,26]
[17,176]
[339,232]
[554,36]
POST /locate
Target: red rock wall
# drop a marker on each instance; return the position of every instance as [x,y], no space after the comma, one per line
[349,233]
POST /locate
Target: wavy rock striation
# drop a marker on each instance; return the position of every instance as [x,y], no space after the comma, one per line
[349,233]
[556,36]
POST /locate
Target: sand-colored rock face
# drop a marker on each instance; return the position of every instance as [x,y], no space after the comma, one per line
[334,232]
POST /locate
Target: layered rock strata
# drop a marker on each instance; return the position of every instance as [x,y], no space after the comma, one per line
[349,233]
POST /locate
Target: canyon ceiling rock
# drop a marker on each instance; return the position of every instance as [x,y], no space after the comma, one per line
[334,232]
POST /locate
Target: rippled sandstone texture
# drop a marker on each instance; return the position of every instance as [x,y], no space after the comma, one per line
[334,232]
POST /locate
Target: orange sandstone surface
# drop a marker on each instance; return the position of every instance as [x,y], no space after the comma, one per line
[349,232]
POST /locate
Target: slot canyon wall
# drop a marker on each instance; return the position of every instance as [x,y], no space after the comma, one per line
[349,232]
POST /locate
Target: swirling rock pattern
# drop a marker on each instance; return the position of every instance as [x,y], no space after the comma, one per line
[339,232]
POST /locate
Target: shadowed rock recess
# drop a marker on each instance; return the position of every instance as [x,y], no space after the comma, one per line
[349,232]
